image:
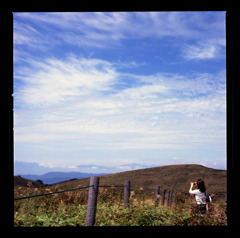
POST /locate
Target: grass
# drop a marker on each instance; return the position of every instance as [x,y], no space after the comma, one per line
[69,209]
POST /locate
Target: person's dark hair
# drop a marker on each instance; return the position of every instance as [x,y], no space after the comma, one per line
[201,185]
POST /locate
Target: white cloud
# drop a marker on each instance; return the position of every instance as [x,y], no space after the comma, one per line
[98,29]
[126,168]
[76,102]
[145,91]
[56,81]
[207,49]
[69,106]
[48,165]
[177,158]
[72,167]
[198,52]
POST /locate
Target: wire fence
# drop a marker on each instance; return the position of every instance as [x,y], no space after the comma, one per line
[223,196]
[67,190]
[45,194]
[167,196]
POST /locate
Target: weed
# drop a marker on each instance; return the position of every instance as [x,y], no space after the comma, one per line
[69,209]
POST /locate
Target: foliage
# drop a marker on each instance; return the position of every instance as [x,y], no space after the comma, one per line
[69,209]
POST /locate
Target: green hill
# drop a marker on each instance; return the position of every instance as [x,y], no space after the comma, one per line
[173,177]
[19,181]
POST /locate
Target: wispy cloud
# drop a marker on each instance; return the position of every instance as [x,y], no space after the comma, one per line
[72,99]
[113,99]
[56,81]
[205,50]
[105,29]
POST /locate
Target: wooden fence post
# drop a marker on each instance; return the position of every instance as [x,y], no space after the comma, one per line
[175,198]
[126,193]
[168,198]
[157,194]
[163,196]
[92,201]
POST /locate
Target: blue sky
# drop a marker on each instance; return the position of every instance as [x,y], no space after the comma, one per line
[110,89]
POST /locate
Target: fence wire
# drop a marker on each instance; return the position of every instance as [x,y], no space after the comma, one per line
[45,194]
[67,190]
[83,187]
[72,189]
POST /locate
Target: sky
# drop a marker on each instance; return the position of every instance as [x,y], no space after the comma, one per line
[111,89]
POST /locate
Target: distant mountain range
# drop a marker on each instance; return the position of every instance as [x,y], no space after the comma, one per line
[56,177]
[53,177]
[22,168]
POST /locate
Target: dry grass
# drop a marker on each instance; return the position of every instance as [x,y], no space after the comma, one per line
[177,177]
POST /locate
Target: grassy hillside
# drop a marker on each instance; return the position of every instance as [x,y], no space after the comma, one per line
[69,208]
[172,177]
[19,181]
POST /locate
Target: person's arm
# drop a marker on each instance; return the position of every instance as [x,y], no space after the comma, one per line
[191,187]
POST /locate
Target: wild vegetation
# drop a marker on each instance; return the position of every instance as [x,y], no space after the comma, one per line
[69,209]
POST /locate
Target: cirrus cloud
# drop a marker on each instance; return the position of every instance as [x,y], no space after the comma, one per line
[140,85]
[205,50]
[92,103]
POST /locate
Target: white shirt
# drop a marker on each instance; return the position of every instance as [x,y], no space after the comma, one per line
[198,195]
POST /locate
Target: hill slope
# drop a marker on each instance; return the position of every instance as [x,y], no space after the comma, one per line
[19,181]
[172,177]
